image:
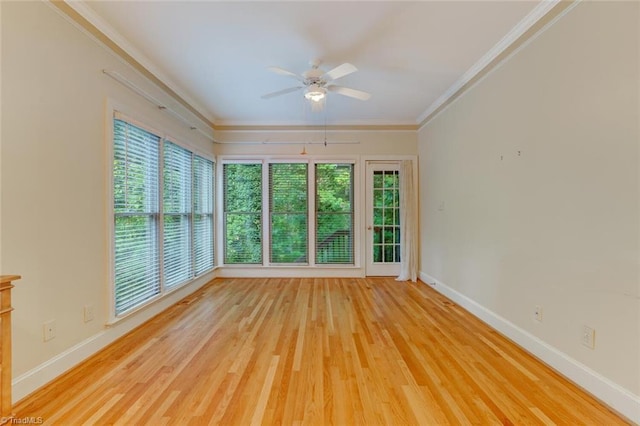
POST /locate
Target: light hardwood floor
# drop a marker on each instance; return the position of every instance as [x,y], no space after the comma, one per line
[314,351]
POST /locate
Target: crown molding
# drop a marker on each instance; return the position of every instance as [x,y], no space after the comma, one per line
[545,12]
[82,14]
[532,24]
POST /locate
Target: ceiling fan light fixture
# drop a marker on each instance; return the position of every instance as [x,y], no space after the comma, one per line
[315,93]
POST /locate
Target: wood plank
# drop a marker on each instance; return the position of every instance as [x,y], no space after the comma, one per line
[314,351]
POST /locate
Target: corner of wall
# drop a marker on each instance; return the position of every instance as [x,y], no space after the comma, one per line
[619,399]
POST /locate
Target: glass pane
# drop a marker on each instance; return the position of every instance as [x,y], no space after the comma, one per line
[377,179]
[177,249]
[377,235]
[388,254]
[377,198]
[203,196]
[243,213]
[397,258]
[396,215]
[136,154]
[203,175]
[334,213]
[388,236]
[243,238]
[176,179]
[397,235]
[377,253]
[334,241]
[390,179]
[377,216]
[389,218]
[203,244]
[136,179]
[243,187]
[288,205]
[288,238]
[137,267]
[334,187]
[288,187]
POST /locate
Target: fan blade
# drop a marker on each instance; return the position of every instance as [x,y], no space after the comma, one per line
[339,71]
[352,93]
[282,71]
[280,92]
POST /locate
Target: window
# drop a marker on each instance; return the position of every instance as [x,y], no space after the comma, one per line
[136,215]
[242,213]
[334,213]
[181,218]
[177,200]
[203,184]
[288,212]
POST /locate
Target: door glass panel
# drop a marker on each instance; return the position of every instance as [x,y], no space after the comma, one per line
[377,253]
[386,217]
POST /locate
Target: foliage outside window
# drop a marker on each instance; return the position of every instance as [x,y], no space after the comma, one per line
[288,211]
[334,213]
[242,213]
[386,216]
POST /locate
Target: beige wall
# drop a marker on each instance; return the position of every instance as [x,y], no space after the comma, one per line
[54,184]
[530,192]
[338,142]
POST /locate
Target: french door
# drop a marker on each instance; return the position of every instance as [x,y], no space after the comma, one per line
[383,218]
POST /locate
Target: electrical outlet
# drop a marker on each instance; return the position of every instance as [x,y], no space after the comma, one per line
[88,313]
[588,337]
[537,313]
[49,330]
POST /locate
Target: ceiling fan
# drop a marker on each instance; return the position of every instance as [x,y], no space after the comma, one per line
[316,82]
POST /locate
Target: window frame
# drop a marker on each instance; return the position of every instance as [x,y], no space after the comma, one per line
[351,213]
[310,160]
[270,213]
[223,214]
[115,112]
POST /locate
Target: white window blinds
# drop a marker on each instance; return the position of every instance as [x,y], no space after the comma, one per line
[161,240]
[136,215]
[203,184]
[177,207]
[288,212]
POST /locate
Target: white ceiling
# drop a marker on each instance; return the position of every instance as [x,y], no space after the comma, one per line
[409,54]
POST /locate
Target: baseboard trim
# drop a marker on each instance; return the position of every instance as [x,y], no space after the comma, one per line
[618,398]
[37,377]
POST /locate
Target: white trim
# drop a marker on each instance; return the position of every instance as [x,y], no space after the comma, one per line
[257,271]
[110,110]
[265,213]
[523,26]
[618,398]
[42,374]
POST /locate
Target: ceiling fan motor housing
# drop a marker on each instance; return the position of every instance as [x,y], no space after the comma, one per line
[313,76]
